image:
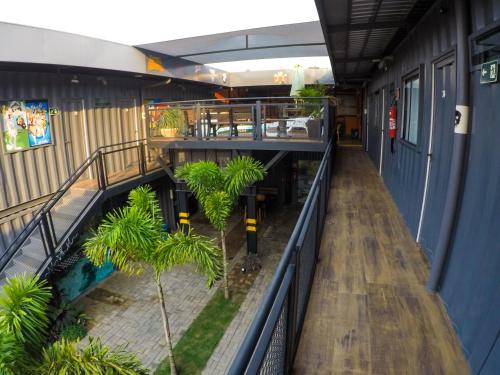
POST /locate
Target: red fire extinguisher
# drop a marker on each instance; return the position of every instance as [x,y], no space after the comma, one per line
[393,114]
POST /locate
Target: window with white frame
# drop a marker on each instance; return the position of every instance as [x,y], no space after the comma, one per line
[410,109]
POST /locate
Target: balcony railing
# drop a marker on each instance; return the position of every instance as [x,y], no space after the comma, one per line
[258,119]
[271,341]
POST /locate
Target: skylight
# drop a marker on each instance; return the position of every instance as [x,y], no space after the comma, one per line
[135,22]
[273,64]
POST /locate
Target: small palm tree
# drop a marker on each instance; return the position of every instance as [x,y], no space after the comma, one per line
[217,190]
[132,238]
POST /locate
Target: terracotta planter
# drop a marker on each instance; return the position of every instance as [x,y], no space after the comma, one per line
[168,133]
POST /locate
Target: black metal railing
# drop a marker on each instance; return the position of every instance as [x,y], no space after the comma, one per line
[241,118]
[271,341]
[51,224]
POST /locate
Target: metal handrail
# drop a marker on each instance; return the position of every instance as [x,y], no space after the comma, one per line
[254,333]
[242,99]
[18,242]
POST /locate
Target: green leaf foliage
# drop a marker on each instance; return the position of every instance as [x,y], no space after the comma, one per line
[11,354]
[203,178]
[23,310]
[218,189]
[217,208]
[194,249]
[126,237]
[132,236]
[74,332]
[64,357]
[241,172]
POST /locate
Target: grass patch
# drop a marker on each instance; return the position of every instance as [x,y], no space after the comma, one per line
[200,340]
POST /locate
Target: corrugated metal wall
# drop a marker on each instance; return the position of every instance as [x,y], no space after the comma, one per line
[98,110]
[404,170]
[471,283]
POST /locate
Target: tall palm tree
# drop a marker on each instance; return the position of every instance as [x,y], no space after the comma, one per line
[132,239]
[217,190]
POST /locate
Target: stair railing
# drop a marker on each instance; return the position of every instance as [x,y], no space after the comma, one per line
[42,225]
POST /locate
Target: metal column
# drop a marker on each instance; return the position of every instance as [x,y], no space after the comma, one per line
[182,199]
[251,220]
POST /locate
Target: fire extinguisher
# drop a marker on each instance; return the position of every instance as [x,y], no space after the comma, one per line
[393,114]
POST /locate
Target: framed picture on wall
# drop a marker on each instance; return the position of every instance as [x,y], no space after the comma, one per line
[25,124]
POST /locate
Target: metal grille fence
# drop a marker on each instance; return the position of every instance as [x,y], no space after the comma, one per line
[271,341]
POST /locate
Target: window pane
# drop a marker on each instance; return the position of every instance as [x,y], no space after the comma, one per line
[407,106]
[411,101]
[413,129]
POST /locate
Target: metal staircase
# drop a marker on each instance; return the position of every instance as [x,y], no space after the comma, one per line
[110,170]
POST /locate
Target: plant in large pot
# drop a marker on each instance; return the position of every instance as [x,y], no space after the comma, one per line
[170,122]
[311,97]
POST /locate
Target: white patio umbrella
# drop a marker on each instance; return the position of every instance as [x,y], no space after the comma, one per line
[297,80]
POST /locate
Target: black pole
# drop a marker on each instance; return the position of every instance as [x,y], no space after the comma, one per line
[251,220]
[451,208]
[182,199]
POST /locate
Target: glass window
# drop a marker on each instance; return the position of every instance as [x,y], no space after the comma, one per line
[411,103]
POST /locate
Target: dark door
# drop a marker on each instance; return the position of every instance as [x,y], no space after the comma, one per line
[74,134]
[440,155]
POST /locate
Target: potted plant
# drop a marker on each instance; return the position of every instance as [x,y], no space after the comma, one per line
[170,122]
[312,107]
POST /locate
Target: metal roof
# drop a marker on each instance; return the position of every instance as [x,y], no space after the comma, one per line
[293,40]
[361,33]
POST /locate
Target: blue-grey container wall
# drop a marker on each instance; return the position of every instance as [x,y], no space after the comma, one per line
[109,105]
[470,286]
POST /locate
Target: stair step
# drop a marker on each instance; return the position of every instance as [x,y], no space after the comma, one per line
[27,262]
[14,269]
[34,251]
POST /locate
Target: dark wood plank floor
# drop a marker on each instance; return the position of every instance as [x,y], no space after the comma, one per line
[369,312]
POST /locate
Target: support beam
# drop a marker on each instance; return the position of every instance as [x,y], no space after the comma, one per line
[363,26]
[166,168]
[183,204]
[356,59]
[275,160]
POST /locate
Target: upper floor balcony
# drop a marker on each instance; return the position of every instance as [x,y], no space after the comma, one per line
[278,123]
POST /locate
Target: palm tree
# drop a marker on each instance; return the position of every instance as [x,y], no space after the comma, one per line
[217,190]
[132,238]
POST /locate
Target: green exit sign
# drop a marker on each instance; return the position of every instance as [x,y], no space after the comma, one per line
[489,72]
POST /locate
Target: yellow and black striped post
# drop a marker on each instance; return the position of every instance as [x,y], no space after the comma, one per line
[251,220]
[183,206]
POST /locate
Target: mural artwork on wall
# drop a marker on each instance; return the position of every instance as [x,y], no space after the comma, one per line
[25,124]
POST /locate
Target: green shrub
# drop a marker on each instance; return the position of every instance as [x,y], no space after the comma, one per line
[62,314]
[23,311]
[74,332]
[11,354]
[63,357]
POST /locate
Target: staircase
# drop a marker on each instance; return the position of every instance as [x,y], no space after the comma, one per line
[51,232]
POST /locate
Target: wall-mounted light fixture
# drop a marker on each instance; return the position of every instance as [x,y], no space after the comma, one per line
[75,79]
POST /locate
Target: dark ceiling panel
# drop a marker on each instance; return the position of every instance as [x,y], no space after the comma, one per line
[360,31]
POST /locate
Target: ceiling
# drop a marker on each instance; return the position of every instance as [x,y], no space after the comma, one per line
[361,33]
[293,40]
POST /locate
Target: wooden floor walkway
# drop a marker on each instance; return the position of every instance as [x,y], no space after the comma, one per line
[369,312]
